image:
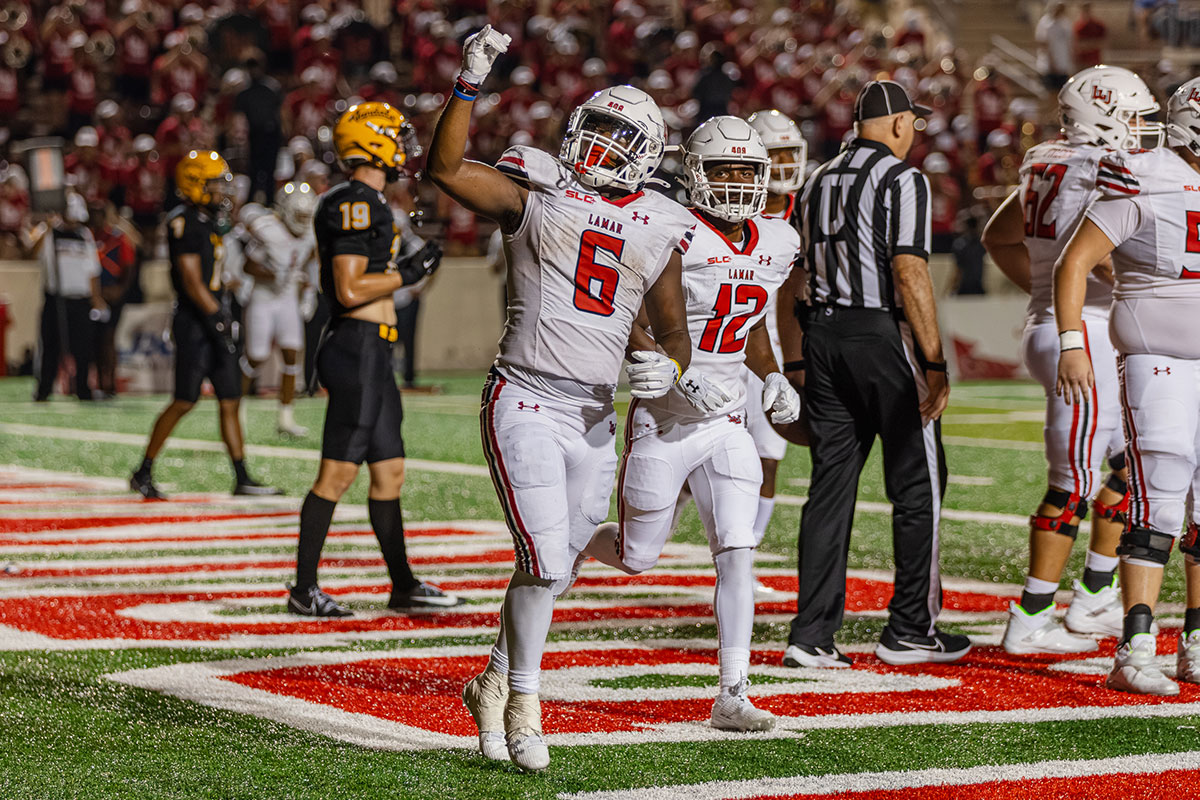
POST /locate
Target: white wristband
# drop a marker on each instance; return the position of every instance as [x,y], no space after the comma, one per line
[1070,340]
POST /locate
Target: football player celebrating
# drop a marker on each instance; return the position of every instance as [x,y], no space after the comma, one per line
[584,244]
[279,247]
[201,326]
[1100,108]
[735,265]
[357,245]
[789,153]
[1147,217]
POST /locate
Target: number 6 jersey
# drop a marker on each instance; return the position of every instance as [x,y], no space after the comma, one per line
[1058,182]
[578,266]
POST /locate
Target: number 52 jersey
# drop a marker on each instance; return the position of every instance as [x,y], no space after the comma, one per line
[578,267]
[1058,182]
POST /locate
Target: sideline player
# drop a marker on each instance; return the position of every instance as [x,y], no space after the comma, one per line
[735,265]
[789,154]
[584,243]
[1147,218]
[357,244]
[1100,108]
[201,326]
[279,248]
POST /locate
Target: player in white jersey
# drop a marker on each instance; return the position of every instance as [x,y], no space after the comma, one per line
[735,265]
[789,153]
[585,244]
[1148,218]
[1101,108]
[280,252]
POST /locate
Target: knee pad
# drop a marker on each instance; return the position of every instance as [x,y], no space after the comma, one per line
[1188,545]
[1117,510]
[1072,505]
[1145,544]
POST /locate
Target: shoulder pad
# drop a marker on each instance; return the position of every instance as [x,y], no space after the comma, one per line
[251,212]
[1116,173]
[536,168]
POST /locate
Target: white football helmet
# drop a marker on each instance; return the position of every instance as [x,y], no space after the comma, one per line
[1107,106]
[726,140]
[781,134]
[1183,117]
[296,203]
[615,138]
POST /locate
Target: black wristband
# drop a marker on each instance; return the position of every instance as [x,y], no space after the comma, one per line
[793,366]
[934,366]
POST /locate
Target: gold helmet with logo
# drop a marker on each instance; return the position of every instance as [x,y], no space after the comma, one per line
[377,134]
[202,177]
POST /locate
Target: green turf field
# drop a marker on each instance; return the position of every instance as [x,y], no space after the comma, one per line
[73,730]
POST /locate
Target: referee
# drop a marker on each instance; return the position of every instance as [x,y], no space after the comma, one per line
[870,360]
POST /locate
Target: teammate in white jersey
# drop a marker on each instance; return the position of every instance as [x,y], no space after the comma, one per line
[789,153]
[735,265]
[584,244]
[280,252]
[1100,108]
[1148,218]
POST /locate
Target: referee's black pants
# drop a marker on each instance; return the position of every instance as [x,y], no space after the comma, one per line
[861,381]
[65,316]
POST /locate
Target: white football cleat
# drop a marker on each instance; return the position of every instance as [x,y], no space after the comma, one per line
[1135,671]
[1100,612]
[1187,659]
[1027,634]
[485,696]
[523,732]
[733,711]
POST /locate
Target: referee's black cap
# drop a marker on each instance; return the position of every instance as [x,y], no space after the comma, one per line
[884,98]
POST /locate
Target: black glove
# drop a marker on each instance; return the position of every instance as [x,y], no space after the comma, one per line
[220,328]
[420,264]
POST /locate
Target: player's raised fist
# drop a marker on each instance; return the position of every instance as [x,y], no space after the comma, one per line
[480,52]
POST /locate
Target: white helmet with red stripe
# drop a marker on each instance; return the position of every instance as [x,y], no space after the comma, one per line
[1183,117]
[615,138]
[1108,106]
[782,135]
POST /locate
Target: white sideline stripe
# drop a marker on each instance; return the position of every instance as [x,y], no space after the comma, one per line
[995,419]
[1000,444]
[834,785]
[272,451]
[958,515]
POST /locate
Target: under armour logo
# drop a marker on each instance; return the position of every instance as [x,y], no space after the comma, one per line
[523,406]
[612,428]
[1164,370]
[642,218]
[764,260]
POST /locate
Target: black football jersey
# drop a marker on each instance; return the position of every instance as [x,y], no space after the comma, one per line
[193,230]
[353,219]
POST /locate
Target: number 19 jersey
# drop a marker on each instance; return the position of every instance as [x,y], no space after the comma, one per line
[578,267]
[1058,182]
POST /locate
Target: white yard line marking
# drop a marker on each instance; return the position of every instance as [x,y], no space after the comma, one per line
[958,515]
[999,444]
[836,785]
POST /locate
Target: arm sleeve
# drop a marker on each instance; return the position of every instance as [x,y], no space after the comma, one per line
[1117,217]
[910,215]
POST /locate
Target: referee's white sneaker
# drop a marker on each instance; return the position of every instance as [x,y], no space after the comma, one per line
[940,648]
[485,696]
[733,711]
[1135,669]
[1096,612]
[523,732]
[1029,634]
[1187,659]
[806,655]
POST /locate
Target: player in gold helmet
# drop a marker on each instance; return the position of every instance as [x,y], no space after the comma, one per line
[202,325]
[358,245]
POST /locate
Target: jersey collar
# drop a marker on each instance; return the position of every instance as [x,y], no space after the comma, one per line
[751,238]
[787,213]
[621,202]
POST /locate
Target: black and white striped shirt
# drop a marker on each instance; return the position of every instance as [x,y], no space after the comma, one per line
[857,212]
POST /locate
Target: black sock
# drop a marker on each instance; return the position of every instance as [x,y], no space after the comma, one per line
[1137,620]
[147,465]
[1191,620]
[1095,580]
[389,530]
[315,515]
[239,470]
[1034,603]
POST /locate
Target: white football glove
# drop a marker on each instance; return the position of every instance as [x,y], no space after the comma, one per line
[480,52]
[651,374]
[780,398]
[703,394]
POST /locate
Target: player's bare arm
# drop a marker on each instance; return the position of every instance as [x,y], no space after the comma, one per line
[1088,246]
[193,283]
[759,356]
[478,187]
[368,295]
[258,271]
[667,313]
[639,335]
[1004,239]
[791,336]
[916,290]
